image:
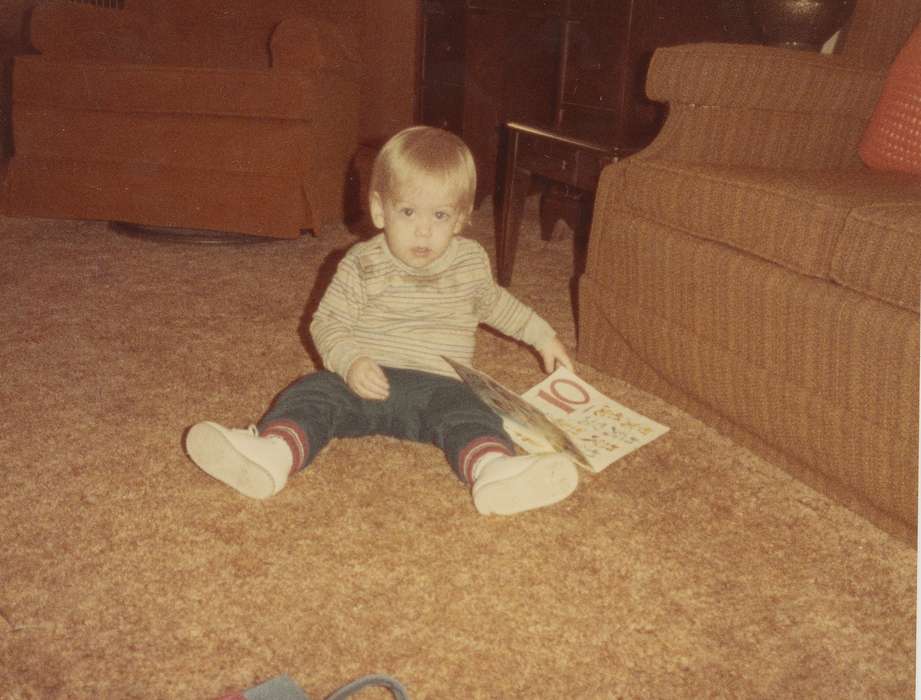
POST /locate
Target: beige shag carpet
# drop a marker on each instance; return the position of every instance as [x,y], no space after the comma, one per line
[690,569]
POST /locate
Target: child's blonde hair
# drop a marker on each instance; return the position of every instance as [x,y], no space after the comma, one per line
[430,153]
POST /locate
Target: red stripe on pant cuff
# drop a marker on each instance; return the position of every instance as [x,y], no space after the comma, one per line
[294,437]
[475,450]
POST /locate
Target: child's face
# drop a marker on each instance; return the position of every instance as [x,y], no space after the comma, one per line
[419,222]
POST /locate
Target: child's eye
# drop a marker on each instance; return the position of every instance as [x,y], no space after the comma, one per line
[407,211]
[442,215]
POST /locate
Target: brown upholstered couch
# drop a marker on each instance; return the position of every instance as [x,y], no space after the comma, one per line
[234,115]
[748,267]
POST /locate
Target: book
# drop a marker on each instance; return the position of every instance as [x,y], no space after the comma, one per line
[564,413]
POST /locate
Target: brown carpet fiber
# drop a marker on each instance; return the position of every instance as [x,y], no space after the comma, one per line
[689,569]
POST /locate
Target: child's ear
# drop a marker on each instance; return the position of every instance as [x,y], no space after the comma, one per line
[463,220]
[377,210]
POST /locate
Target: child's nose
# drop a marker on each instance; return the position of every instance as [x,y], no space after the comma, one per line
[423,227]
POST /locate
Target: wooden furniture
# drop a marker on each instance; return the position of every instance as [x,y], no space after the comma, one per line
[577,65]
[572,162]
[440,83]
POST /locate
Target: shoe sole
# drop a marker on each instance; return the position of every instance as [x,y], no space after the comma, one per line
[542,483]
[210,449]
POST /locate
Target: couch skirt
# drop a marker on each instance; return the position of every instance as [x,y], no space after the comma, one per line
[822,379]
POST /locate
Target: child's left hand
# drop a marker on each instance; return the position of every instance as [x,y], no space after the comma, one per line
[553,353]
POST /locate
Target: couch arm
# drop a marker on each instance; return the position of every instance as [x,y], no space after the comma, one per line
[759,77]
[761,106]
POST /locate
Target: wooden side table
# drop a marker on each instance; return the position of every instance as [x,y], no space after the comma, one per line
[572,162]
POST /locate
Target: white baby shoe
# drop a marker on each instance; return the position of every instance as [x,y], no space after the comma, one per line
[255,466]
[508,485]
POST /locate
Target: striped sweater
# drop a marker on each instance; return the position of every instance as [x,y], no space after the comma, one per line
[399,316]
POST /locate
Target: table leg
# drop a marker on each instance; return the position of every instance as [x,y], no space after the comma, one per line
[514,191]
[560,203]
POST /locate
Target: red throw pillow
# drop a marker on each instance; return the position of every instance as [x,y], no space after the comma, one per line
[892,140]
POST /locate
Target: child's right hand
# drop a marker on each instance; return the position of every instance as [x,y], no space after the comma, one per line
[367,379]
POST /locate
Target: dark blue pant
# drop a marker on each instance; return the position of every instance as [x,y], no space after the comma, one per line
[422,407]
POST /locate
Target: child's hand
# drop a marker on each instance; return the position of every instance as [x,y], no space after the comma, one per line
[367,379]
[553,353]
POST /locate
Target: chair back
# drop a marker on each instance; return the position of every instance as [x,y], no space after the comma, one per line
[216,33]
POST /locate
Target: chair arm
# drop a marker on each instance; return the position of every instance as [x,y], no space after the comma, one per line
[120,87]
[761,106]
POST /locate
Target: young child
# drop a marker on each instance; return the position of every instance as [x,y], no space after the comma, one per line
[398,303]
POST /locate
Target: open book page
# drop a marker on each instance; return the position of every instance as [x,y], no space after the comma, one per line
[563,413]
[602,429]
[526,424]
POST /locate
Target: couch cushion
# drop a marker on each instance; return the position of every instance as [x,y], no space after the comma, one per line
[892,140]
[265,146]
[879,253]
[124,88]
[793,218]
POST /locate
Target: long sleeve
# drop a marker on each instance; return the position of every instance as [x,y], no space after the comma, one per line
[502,311]
[376,307]
[334,322]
